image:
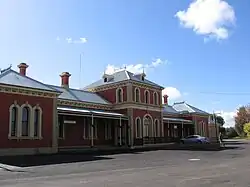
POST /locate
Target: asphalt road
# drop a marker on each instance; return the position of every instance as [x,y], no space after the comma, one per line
[179,168]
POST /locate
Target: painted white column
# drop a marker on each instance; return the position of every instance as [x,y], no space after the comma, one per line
[120,131]
[92,130]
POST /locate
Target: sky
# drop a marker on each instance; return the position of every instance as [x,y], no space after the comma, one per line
[198,50]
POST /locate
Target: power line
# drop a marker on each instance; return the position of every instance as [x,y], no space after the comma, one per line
[225,93]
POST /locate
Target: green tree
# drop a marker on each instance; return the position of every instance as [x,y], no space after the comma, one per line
[231,132]
[242,117]
[246,129]
[220,120]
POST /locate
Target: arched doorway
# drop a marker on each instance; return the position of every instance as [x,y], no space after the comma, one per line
[147,129]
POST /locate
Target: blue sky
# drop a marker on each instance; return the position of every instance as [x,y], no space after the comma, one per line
[214,57]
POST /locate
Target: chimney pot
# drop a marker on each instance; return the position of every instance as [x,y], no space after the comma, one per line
[22,68]
[65,79]
[165,98]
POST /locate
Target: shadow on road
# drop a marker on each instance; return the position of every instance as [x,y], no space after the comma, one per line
[38,160]
[234,142]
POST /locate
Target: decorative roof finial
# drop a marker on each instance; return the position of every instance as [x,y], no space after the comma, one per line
[125,67]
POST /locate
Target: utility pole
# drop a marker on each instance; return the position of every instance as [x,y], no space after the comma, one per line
[80,73]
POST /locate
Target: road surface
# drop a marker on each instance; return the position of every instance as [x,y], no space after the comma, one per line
[177,168]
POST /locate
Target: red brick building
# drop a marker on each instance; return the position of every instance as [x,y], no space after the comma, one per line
[122,109]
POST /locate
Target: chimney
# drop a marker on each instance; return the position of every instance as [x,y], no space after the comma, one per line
[22,68]
[65,79]
[165,99]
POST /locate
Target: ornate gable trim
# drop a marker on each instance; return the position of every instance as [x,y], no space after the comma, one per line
[64,102]
[10,89]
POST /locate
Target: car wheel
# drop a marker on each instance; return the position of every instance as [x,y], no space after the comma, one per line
[199,142]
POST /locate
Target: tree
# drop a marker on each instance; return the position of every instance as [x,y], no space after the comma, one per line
[231,132]
[220,120]
[242,117]
[247,129]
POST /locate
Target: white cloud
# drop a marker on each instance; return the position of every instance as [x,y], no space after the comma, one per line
[210,18]
[71,41]
[57,38]
[173,93]
[134,68]
[228,117]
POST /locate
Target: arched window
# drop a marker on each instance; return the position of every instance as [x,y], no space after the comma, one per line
[119,95]
[25,121]
[147,126]
[14,118]
[155,98]
[157,128]
[138,127]
[36,122]
[146,96]
[137,95]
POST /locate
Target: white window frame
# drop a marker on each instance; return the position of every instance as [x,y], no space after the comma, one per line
[39,134]
[155,98]
[138,134]
[117,95]
[30,121]
[17,122]
[139,92]
[147,101]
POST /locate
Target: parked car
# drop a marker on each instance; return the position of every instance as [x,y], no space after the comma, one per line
[194,139]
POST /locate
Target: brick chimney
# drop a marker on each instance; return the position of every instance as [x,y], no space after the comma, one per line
[65,79]
[165,99]
[22,68]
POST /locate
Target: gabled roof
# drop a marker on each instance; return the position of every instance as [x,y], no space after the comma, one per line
[183,107]
[120,76]
[79,95]
[11,77]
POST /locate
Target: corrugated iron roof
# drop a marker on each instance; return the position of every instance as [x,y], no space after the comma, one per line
[14,78]
[79,95]
[119,77]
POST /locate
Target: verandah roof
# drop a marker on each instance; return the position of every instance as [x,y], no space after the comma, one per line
[177,120]
[87,112]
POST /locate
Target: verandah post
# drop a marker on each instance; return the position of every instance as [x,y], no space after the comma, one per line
[92,130]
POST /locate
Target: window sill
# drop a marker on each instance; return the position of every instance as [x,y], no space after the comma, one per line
[24,138]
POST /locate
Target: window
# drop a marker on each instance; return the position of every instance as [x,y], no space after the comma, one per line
[105,79]
[119,95]
[137,95]
[61,128]
[108,132]
[157,128]
[155,97]
[14,118]
[88,129]
[146,96]
[138,127]
[146,126]
[36,122]
[25,121]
